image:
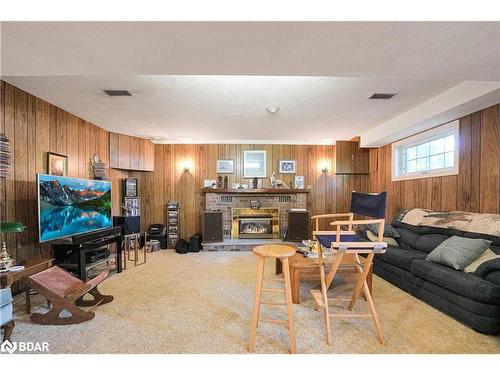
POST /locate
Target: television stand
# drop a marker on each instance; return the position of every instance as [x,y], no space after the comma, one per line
[79,247]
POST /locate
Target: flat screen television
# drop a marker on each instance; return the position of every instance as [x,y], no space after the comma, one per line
[69,206]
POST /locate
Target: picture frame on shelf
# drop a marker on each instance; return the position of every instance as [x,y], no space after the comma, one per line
[254,163]
[299,182]
[225,166]
[57,164]
[287,166]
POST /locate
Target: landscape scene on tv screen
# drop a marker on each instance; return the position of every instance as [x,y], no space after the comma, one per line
[69,206]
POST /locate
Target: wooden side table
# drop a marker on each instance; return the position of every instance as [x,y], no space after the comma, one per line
[132,242]
[304,268]
[31,267]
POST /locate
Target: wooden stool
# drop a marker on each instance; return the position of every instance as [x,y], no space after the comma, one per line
[282,252]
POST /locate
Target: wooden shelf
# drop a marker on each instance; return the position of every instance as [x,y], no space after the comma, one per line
[255,191]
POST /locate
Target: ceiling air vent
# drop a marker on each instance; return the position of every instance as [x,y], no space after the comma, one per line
[381,95]
[118,92]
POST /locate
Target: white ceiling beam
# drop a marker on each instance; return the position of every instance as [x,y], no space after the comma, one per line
[461,100]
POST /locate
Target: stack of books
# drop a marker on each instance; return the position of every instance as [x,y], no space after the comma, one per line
[4,156]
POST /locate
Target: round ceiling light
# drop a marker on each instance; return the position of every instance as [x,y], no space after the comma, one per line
[272,109]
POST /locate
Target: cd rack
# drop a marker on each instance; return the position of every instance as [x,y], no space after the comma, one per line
[173,220]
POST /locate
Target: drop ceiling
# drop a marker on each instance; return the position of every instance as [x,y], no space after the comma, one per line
[212,81]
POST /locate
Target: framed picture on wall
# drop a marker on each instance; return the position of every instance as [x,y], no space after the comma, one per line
[57,164]
[254,164]
[225,166]
[287,166]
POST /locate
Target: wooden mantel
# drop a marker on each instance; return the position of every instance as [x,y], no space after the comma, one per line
[256,191]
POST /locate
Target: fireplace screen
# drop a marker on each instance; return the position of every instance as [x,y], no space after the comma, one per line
[255,227]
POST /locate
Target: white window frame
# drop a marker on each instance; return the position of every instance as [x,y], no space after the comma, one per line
[424,137]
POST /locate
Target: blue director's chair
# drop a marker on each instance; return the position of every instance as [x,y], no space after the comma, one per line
[343,240]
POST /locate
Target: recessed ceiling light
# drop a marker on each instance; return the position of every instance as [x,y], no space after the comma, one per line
[117,92]
[272,109]
[381,95]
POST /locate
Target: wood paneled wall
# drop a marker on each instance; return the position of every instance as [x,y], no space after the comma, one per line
[329,192]
[477,186]
[34,128]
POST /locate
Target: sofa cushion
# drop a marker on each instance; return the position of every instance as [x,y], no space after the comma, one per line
[401,258]
[389,230]
[407,238]
[458,252]
[494,277]
[5,314]
[5,296]
[465,284]
[484,269]
[428,242]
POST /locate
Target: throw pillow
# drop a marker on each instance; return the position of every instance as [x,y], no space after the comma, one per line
[388,240]
[458,252]
[389,230]
[487,255]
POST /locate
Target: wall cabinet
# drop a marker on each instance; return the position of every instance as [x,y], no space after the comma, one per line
[131,153]
[351,159]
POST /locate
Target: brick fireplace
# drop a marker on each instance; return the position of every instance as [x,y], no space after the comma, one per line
[241,221]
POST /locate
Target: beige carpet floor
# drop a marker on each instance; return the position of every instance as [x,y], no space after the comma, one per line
[202,303]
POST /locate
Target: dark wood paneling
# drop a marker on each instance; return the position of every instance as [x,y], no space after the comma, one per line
[34,128]
[477,186]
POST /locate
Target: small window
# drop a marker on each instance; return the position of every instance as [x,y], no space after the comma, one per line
[428,154]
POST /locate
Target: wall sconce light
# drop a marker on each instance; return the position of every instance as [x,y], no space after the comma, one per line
[324,166]
[186,165]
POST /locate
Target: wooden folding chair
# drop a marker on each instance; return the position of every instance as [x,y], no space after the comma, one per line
[65,292]
[341,242]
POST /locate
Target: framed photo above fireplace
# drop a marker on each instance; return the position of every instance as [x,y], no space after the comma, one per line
[287,166]
[225,166]
[254,163]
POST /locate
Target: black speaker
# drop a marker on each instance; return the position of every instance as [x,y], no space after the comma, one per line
[212,226]
[129,224]
[298,226]
[195,243]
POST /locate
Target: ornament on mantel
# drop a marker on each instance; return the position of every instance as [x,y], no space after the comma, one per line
[278,184]
[255,182]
